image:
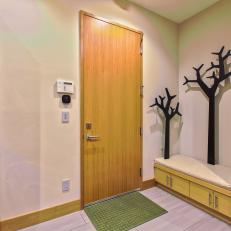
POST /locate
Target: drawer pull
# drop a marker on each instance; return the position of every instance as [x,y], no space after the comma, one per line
[167,180]
[210,199]
[171,182]
[216,202]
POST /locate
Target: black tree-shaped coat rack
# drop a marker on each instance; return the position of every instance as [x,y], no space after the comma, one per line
[210,92]
[169,113]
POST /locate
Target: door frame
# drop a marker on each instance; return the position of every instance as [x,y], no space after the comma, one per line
[82,14]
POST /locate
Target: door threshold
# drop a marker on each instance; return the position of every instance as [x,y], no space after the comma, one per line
[110,198]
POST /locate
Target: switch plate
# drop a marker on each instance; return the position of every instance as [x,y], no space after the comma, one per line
[65,117]
[65,185]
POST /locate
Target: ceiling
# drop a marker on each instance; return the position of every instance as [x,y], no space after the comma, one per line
[175,10]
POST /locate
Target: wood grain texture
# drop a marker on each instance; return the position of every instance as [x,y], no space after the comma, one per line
[162,177]
[222,204]
[216,202]
[148,184]
[196,204]
[195,180]
[174,182]
[37,217]
[201,194]
[82,13]
[111,102]
[180,185]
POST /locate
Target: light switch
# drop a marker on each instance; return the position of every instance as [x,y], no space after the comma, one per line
[65,117]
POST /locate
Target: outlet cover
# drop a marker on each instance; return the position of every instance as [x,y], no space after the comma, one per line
[65,185]
[65,117]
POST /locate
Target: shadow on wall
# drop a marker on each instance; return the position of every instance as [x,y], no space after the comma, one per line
[222,88]
[123,4]
[159,126]
[221,91]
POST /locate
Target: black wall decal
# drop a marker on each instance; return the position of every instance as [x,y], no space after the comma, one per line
[220,73]
[169,113]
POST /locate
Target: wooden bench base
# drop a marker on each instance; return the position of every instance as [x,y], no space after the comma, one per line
[211,198]
[196,204]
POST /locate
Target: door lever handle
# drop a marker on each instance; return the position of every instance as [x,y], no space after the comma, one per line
[92,138]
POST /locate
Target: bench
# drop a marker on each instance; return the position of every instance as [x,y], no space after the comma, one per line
[206,186]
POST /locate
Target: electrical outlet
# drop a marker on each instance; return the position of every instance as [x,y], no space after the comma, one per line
[65,185]
[65,117]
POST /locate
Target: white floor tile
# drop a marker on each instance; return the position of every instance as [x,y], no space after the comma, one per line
[86,227]
[85,217]
[159,224]
[64,223]
[181,216]
[210,224]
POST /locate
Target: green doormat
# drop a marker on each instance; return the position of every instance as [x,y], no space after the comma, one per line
[123,213]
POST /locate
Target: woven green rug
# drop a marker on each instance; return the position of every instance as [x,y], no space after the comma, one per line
[123,213]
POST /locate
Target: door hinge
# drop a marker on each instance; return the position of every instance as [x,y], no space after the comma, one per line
[140,171]
[141,131]
[141,90]
[141,46]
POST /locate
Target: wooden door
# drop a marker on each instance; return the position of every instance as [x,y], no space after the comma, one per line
[111,108]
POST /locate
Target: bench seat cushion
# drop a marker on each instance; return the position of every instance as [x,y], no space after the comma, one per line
[214,174]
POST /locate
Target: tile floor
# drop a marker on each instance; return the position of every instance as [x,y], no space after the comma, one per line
[181,216]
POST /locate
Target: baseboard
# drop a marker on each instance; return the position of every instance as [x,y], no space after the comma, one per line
[40,216]
[148,184]
[196,204]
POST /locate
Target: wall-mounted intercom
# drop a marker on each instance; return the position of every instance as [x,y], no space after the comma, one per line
[64,86]
[66,99]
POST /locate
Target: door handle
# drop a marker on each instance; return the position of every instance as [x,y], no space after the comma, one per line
[92,138]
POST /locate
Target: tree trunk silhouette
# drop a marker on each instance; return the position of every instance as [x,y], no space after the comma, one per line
[211,131]
[220,73]
[169,113]
[167,139]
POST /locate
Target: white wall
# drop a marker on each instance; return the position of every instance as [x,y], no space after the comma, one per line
[39,43]
[199,36]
